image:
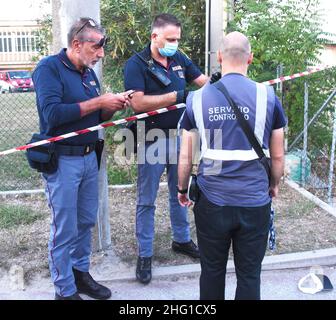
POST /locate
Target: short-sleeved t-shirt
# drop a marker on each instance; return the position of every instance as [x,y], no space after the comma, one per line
[235,182]
[180,70]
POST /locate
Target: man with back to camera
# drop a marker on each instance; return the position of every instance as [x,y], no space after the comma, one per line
[68,99]
[234,197]
[151,94]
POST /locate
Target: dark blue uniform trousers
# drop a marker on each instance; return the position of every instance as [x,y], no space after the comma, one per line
[217,226]
[72,193]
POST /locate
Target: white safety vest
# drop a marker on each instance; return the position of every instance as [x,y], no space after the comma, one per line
[229,155]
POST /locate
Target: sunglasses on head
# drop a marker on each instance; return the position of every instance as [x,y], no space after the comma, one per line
[90,21]
[101,43]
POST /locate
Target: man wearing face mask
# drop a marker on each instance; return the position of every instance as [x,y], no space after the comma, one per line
[152,94]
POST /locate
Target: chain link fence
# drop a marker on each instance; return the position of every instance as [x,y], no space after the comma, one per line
[18,120]
[308,162]
[310,158]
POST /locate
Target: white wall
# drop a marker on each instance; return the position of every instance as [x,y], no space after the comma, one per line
[17,10]
[328,55]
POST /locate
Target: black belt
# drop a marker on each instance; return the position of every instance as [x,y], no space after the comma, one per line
[75,150]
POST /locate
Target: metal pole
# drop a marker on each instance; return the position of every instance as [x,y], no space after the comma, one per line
[207,37]
[305,135]
[278,75]
[325,104]
[217,25]
[332,162]
[282,94]
[280,91]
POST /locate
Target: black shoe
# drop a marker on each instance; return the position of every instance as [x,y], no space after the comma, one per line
[85,284]
[188,248]
[75,296]
[144,270]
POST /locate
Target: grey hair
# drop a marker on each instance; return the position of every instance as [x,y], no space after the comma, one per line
[81,26]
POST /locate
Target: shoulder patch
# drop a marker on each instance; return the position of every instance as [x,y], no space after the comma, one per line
[177,68]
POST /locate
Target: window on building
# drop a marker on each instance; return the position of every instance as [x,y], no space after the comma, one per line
[20,41]
[1,45]
[9,39]
[6,42]
[25,41]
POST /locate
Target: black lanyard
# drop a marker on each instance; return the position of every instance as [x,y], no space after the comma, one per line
[246,128]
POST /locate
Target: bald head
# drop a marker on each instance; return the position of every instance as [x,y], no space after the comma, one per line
[236,48]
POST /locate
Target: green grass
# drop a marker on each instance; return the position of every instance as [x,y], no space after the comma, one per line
[12,216]
[15,173]
[18,121]
[300,208]
[121,176]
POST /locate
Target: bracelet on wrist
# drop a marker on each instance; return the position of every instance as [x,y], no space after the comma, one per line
[182,191]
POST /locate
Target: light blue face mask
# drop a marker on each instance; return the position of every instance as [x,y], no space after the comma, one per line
[169,49]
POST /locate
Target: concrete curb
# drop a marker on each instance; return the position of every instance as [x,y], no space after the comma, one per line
[323,257]
[41,191]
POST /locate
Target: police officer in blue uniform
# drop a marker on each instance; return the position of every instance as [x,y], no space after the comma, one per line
[159,75]
[233,203]
[68,99]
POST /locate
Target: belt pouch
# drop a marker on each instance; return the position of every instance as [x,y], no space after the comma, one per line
[42,158]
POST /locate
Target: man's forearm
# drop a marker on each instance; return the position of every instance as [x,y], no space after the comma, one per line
[184,170]
[185,159]
[277,171]
[109,103]
[277,156]
[146,103]
[89,106]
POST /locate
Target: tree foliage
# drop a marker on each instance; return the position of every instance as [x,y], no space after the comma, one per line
[281,32]
[43,39]
[289,33]
[128,26]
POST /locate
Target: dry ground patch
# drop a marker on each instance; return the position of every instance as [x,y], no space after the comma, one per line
[301,226]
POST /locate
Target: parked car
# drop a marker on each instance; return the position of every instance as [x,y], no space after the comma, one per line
[4,86]
[16,81]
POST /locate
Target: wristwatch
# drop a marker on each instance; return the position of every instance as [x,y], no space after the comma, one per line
[182,191]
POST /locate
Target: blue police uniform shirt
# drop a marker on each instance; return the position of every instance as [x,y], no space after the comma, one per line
[180,70]
[60,87]
[233,182]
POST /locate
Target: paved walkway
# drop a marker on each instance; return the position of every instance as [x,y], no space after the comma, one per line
[279,280]
[276,285]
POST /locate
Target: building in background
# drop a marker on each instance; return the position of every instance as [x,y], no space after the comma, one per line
[328,54]
[18,32]
[17,44]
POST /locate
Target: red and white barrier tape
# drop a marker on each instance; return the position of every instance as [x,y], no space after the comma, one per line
[95,128]
[141,116]
[296,75]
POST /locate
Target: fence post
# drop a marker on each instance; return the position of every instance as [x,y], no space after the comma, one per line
[280,92]
[332,162]
[217,17]
[305,135]
[314,117]
[103,220]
